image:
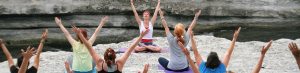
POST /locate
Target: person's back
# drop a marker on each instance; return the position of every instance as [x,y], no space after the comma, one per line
[82,60]
[177,58]
[219,69]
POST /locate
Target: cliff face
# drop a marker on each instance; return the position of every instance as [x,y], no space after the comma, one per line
[23,20]
[249,8]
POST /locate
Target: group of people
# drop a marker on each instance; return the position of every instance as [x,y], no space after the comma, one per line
[85,59]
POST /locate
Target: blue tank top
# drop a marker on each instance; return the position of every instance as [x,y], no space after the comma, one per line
[204,69]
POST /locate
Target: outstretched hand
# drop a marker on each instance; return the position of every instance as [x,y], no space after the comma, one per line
[236,33]
[75,29]
[28,53]
[265,48]
[57,20]
[183,49]
[45,34]
[294,49]
[104,20]
[198,14]
[131,1]
[161,13]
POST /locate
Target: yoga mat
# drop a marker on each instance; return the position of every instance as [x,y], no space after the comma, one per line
[167,71]
[163,50]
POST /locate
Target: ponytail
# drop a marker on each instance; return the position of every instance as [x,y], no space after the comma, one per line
[179,31]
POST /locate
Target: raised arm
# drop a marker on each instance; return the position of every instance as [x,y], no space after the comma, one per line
[153,20]
[194,47]
[63,29]
[192,25]
[94,55]
[26,56]
[39,50]
[94,36]
[136,15]
[230,49]
[164,22]
[296,52]
[7,54]
[125,56]
[187,54]
[263,53]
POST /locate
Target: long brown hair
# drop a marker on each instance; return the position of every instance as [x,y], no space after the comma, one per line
[179,31]
[109,56]
[84,33]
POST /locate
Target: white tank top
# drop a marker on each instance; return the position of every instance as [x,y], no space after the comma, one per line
[143,28]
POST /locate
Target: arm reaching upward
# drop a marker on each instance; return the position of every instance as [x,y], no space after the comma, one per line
[192,25]
[94,36]
[296,52]
[94,55]
[136,15]
[7,54]
[187,54]
[125,56]
[39,50]
[194,47]
[67,34]
[263,53]
[230,49]
[26,56]
[153,20]
[164,22]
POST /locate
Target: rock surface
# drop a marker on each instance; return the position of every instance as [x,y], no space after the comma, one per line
[251,8]
[245,56]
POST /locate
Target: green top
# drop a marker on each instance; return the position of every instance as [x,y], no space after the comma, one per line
[82,60]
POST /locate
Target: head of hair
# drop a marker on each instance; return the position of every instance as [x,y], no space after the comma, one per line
[109,56]
[213,60]
[146,15]
[146,11]
[84,33]
[179,30]
[20,60]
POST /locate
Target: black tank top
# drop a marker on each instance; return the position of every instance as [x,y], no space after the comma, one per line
[103,71]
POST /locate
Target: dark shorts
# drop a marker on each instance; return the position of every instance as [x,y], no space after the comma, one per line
[14,69]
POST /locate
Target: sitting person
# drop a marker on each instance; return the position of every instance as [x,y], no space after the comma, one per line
[109,64]
[147,42]
[80,61]
[177,62]
[213,64]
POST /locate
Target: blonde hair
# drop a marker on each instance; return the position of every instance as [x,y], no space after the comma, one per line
[179,31]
